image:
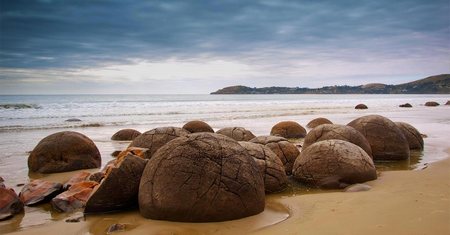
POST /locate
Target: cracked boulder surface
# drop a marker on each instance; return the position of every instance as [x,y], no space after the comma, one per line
[385,138]
[156,138]
[289,130]
[340,132]
[203,177]
[285,150]
[198,126]
[334,164]
[10,204]
[119,189]
[237,133]
[412,135]
[125,135]
[64,151]
[317,122]
[270,166]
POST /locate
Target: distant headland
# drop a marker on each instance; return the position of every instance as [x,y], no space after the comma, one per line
[439,84]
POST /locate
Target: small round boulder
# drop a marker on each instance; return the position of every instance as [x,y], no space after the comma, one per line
[237,133]
[156,138]
[269,164]
[317,122]
[340,132]
[334,164]
[412,135]
[125,135]
[197,126]
[64,151]
[385,138]
[361,106]
[431,104]
[288,129]
[406,105]
[203,177]
[286,151]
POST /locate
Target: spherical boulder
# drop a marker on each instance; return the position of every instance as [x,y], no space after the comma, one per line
[385,138]
[202,177]
[269,164]
[431,104]
[334,164]
[286,151]
[197,126]
[64,151]
[406,105]
[412,135]
[448,102]
[361,106]
[237,133]
[125,135]
[317,122]
[288,129]
[340,132]
[156,138]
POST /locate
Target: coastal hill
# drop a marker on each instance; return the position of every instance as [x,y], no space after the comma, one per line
[439,84]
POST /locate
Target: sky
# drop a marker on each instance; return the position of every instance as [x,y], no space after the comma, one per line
[196,47]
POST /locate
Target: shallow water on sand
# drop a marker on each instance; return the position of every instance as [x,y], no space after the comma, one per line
[15,145]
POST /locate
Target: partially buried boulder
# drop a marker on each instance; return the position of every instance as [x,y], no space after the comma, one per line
[334,164]
[431,104]
[74,198]
[202,177]
[288,129]
[38,191]
[317,122]
[125,134]
[340,132]
[77,178]
[64,151]
[412,135]
[406,105]
[286,151]
[448,102]
[361,106]
[197,126]
[270,166]
[156,138]
[119,189]
[10,204]
[237,133]
[385,138]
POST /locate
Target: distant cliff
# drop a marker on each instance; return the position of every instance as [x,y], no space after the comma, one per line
[439,84]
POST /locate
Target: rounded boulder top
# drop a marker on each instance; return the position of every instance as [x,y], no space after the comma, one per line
[237,133]
[361,106]
[317,122]
[198,126]
[431,104]
[125,135]
[202,177]
[64,151]
[288,129]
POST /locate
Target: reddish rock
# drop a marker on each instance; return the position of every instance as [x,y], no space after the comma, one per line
[198,126]
[236,133]
[407,105]
[2,185]
[77,178]
[412,135]
[136,151]
[64,151]
[10,204]
[119,189]
[125,134]
[97,176]
[156,138]
[288,129]
[431,104]
[286,151]
[361,106]
[317,122]
[74,198]
[39,191]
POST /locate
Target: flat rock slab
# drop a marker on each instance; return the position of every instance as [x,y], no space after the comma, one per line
[74,198]
[10,204]
[38,191]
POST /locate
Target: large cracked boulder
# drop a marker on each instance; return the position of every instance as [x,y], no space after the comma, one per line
[270,166]
[119,189]
[10,204]
[412,135]
[385,138]
[198,126]
[286,151]
[334,164]
[64,151]
[340,132]
[125,135]
[237,133]
[317,122]
[289,130]
[156,138]
[202,177]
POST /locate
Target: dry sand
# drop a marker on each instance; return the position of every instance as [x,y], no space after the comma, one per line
[400,202]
